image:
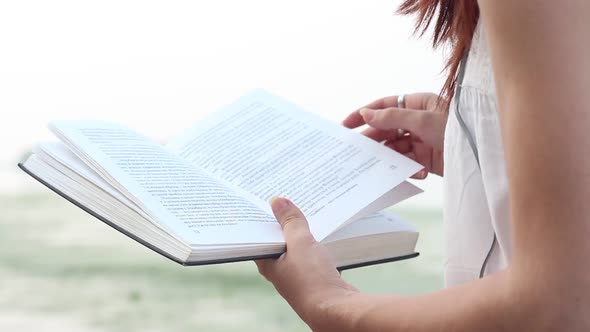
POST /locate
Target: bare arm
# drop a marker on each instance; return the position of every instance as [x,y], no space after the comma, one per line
[541,59]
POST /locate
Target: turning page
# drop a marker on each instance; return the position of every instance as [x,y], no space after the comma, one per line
[265,146]
[184,199]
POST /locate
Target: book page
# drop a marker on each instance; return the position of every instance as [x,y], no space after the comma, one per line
[266,146]
[376,223]
[51,152]
[184,199]
[392,197]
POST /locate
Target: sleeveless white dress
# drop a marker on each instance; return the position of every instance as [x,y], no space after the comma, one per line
[476,201]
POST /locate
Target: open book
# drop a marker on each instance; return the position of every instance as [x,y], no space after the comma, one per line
[203,197]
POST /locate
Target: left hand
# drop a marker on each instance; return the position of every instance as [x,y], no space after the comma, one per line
[305,274]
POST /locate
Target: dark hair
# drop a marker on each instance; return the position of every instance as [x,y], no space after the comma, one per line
[455,24]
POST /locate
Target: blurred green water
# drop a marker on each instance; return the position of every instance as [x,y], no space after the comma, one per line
[57,261]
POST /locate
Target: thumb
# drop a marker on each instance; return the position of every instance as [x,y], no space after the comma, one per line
[293,222]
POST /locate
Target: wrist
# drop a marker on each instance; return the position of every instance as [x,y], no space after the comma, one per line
[334,309]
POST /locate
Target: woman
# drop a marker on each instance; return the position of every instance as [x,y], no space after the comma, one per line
[520,218]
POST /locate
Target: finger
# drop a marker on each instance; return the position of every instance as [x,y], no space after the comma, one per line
[380,135]
[353,120]
[414,101]
[393,118]
[292,220]
[265,266]
[423,173]
[437,162]
[423,154]
[410,155]
[386,102]
[402,145]
[420,174]
[423,124]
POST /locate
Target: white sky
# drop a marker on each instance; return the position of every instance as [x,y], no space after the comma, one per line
[159,66]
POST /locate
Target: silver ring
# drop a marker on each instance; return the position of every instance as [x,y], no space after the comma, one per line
[401,101]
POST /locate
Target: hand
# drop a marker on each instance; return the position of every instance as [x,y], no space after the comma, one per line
[305,274]
[423,120]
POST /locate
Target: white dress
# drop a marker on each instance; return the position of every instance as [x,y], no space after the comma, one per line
[476,201]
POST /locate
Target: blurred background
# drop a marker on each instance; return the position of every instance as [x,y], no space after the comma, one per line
[158,67]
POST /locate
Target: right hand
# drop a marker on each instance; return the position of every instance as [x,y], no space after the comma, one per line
[423,120]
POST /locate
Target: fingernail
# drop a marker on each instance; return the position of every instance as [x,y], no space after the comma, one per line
[367,114]
[278,203]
